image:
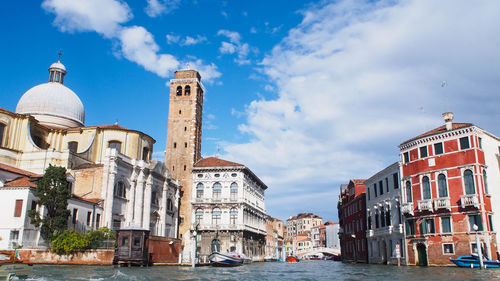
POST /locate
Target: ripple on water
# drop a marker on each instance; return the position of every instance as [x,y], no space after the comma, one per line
[304,270]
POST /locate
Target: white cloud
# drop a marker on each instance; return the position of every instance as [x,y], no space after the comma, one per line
[351,79]
[138,45]
[101,16]
[171,39]
[156,8]
[235,46]
[187,41]
[193,40]
[107,17]
[253,30]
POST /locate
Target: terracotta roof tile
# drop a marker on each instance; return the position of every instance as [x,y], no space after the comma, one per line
[91,200]
[215,162]
[439,130]
[18,171]
[20,182]
[358,181]
[87,166]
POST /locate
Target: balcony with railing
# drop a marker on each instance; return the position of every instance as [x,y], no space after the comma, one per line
[442,203]
[469,200]
[425,205]
[407,208]
[387,230]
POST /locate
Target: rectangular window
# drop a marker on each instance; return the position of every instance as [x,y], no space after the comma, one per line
[464,143]
[410,227]
[14,235]
[75,216]
[18,208]
[97,220]
[2,130]
[380,187]
[448,249]
[490,220]
[406,156]
[89,218]
[386,184]
[33,205]
[368,193]
[445,225]
[480,143]
[475,220]
[395,180]
[375,189]
[438,148]
[423,152]
[427,226]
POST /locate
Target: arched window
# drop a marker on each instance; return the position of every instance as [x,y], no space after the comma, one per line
[170,205]
[426,185]
[154,198]
[469,182]
[233,215]
[199,190]
[234,191]
[145,154]
[116,145]
[217,189]
[409,198]
[187,90]
[2,130]
[485,182]
[179,91]
[73,146]
[120,190]
[442,186]
[216,216]
[199,215]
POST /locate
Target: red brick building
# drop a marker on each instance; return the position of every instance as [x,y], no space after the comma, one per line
[352,218]
[445,194]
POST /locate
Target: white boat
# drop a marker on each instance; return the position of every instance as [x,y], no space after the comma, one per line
[227,259]
[11,267]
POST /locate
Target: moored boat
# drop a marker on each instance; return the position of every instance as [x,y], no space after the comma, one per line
[227,259]
[11,266]
[473,262]
[292,259]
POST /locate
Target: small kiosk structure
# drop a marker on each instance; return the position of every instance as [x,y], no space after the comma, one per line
[132,247]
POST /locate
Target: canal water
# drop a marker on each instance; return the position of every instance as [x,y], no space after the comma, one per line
[304,270]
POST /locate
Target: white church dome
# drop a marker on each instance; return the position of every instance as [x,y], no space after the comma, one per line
[52,103]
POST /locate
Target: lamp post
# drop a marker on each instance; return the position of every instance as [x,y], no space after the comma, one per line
[195,248]
[353,236]
[478,247]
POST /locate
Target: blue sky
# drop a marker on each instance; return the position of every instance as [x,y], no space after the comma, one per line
[308,94]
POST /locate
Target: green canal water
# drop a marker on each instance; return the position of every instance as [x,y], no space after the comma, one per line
[304,270]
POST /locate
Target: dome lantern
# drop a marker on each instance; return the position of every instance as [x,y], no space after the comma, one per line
[57,71]
[53,104]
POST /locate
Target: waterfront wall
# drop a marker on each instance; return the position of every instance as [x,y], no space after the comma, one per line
[163,249]
[91,257]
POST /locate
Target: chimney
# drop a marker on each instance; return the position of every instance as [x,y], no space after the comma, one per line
[448,120]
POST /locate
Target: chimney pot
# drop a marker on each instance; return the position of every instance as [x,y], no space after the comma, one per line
[448,120]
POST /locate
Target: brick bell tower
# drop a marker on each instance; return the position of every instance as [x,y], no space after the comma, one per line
[184,137]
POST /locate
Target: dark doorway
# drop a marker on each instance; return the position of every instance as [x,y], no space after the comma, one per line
[422,255]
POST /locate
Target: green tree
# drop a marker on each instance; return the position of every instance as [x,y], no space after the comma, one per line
[53,193]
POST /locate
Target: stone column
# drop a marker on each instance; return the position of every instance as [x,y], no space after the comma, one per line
[163,209]
[131,200]
[146,215]
[110,192]
[139,198]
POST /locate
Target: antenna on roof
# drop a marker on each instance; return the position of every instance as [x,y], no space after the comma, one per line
[217,154]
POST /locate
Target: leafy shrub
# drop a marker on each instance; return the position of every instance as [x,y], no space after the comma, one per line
[69,242]
[96,237]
